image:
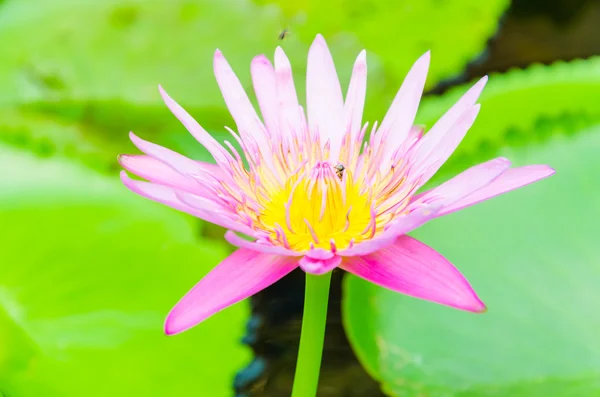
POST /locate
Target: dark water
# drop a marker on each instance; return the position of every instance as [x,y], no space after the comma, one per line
[532,31]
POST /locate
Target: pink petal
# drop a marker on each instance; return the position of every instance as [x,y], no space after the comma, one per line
[155,171]
[171,197]
[242,274]
[265,87]
[396,124]
[290,118]
[432,141]
[429,206]
[511,179]
[425,168]
[179,163]
[403,224]
[319,266]
[412,268]
[205,139]
[242,111]
[464,184]
[319,254]
[286,91]
[324,101]
[355,98]
[264,248]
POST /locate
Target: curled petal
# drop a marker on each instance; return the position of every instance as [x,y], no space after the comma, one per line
[319,266]
[319,254]
[242,274]
[412,268]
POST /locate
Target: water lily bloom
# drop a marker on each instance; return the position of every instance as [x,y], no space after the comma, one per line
[311,194]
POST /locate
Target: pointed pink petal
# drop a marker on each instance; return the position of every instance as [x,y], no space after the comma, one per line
[265,87]
[205,139]
[424,168]
[156,171]
[412,268]
[242,111]
[429,206]
[179,163]
[286,91]
[170,197]
[324,101]
[510,180]
[290,117]
[464,184]
[452,124]
[450,118]
[403,224]
[319,266]
[240,242]
[355,98]
[400,117]
[242,274]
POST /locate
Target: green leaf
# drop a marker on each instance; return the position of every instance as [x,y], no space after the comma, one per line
[533,257]
[95,134]
[513,104]
[116,49]
[398,32]
[89,272]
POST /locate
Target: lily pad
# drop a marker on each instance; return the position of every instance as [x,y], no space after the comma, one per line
[398,32]
[533,257]
[88,274]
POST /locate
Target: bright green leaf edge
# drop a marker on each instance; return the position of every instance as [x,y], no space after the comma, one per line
[68,329]
[362,301]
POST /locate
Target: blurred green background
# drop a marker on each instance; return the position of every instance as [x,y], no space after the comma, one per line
[88,271]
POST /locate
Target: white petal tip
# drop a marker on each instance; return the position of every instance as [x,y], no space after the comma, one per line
[260,60]
[425,58]
[503,161]
[479,86]
[127,181]
[163,93]
[319,43]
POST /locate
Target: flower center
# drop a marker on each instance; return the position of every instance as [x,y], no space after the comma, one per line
[318,207]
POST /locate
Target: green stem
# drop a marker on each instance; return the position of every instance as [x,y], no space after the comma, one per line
[311,338]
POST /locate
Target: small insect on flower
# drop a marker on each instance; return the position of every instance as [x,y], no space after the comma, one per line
[285,33]
[339,171]
[311,190]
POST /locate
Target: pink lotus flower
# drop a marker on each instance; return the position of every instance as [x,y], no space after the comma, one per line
[312,195]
